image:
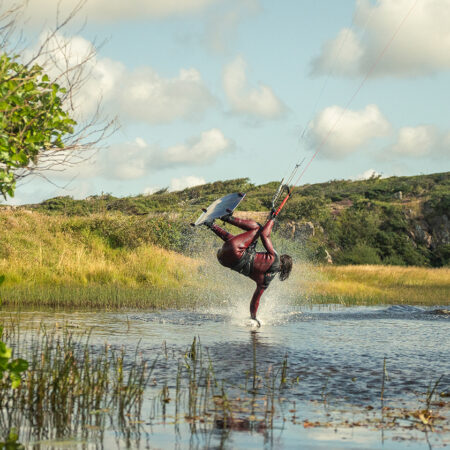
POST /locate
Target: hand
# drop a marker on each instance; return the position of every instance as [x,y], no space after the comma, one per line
[272,213]
[257,321]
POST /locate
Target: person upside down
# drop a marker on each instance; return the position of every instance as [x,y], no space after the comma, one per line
[239,253]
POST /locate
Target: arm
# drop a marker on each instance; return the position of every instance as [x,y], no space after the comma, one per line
[265,237]
[259,291]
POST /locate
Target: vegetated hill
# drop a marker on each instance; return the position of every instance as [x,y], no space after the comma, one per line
[396,220]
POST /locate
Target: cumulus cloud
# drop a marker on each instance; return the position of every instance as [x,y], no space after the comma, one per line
[259,102]
[141,95]
[151,98]
[339,56]
[134,160]
[72,61]
[178,184]
[421,141]
[197,151]
[224,20]
[421,46]
[338,132]
[114,10]
[367,175]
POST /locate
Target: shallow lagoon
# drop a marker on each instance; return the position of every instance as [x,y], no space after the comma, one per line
[334,366]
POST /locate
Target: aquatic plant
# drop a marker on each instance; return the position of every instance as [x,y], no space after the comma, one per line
[75,389]
[10,369]
[71,386]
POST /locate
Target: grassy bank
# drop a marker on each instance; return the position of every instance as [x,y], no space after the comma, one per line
[382,221]
[366,285]
[60,261]
[102,261]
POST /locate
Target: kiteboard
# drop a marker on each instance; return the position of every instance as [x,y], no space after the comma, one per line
[219,208]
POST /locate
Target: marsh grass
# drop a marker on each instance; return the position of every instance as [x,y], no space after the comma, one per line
[101,297]
[74,389]
[71,387]
[59,261]
[367,285]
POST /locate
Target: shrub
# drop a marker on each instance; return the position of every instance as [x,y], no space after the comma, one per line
[359,254]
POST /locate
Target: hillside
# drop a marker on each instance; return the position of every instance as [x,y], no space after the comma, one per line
[395,221]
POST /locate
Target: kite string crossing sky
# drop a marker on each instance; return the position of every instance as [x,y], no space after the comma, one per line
[355,93]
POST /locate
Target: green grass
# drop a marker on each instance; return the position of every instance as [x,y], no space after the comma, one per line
[66,262]
[57,261]
[365,285]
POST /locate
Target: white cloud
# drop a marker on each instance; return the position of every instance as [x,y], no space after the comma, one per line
[141,95]
[150,190]
[420,40]
[134,160]
[224,20]
[421,141]
[67,60]
[198,151]
[367,175]
[114,10]
[338,132]
[178,184]
[151,98]
[259,102]
[340,56]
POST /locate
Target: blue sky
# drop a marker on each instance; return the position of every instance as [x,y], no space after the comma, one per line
[208,90]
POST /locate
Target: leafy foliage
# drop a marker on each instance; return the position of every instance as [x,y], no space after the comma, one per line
[12,368]
[32,119]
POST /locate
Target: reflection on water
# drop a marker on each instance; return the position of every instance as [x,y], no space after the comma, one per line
[331,359]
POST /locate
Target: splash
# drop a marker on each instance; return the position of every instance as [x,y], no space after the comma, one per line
[231,293]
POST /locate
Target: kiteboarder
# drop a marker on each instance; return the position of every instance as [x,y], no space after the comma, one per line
[239,253]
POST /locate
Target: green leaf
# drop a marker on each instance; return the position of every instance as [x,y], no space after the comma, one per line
[15,380]
[5,352]
[18,365]
[32,118]
[13,436]
[4,364]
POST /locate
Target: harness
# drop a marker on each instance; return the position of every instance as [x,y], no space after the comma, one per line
[273,270]
[245,265]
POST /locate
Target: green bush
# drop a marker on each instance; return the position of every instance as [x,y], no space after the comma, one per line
[359,254]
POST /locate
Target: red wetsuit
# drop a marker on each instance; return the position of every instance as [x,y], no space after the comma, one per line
[235,249]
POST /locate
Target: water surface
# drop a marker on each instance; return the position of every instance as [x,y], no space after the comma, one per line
[337,359]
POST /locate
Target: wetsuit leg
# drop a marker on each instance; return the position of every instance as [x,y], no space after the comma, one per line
[242,241]
[234,248]
[224,235]
[243,224]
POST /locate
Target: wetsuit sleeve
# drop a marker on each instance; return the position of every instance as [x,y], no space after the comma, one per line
[259,291]
[265,237]
[224,235]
